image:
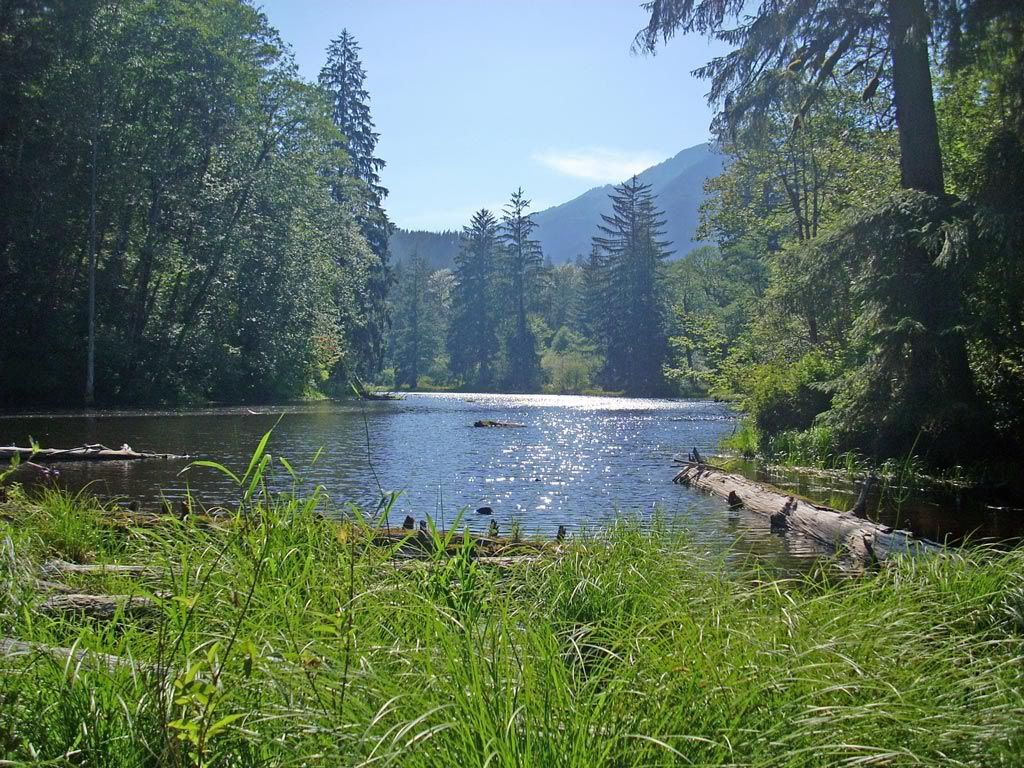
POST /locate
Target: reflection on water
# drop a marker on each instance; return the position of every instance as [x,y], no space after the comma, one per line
[578,461]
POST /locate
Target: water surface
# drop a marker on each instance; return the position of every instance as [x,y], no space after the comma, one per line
[577,461]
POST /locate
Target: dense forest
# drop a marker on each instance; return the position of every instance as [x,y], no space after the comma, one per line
[182,217]
[866,292]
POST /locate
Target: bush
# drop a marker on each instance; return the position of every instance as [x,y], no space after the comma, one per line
[789,397]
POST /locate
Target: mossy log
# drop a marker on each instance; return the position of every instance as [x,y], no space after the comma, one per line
[91,452]
[864,540]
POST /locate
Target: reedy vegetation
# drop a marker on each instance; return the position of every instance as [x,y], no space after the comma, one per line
[283,638]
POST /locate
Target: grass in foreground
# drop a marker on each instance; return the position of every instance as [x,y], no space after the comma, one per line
[282,640]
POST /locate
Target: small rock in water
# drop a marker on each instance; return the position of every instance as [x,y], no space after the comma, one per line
[484,511]
[492,529]
[560,536]
[408,523]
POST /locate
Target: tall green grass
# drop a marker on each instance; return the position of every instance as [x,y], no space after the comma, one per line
[284,638]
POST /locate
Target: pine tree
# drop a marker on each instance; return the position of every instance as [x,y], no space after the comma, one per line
[473,337]
[355,181]
[522,257]
[413,345]
[627,252]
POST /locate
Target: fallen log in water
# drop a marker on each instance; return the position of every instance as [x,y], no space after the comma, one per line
[863,539]
[486,423]
[91,452]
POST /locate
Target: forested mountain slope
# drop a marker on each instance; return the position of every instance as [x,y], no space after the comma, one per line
[677,184]
[565,230]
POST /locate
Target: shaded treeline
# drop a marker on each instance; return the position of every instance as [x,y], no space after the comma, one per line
[226,212]
[877,160]
[503,319]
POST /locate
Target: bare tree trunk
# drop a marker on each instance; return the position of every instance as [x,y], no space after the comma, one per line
[920,156]
[90,365]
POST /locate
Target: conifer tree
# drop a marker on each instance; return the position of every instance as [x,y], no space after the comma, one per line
[628,250]
[413,324]
[473,337]
[522,258]
[355,181]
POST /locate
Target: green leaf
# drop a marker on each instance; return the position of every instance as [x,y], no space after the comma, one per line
[223,723]
[212,465]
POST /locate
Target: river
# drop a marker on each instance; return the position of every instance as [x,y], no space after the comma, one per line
[577,461]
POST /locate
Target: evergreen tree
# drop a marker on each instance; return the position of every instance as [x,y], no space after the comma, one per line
[630,243]
[522,257]
[355,182]
[473,337]
[414,341]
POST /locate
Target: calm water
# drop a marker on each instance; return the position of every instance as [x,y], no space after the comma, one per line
[577,462]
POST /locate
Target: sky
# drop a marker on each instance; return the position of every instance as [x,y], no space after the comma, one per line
[475,98]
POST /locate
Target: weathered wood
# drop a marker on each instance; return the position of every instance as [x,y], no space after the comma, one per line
[492,423]
[863,539]
[55,569]
[11,648]
[501,563]
[99,607]
[91,452]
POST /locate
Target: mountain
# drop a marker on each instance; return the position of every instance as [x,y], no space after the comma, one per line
[565,230]
[678,185]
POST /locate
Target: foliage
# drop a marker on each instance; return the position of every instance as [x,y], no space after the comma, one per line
[630,329]
[521,259]
[473,335]
[280,639]
[569,364]
[355,184]
[911,299]
[223,267]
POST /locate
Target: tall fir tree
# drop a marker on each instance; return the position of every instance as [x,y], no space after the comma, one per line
[355,182]
[412,332]
[473,337]
[627,251]
[523,259]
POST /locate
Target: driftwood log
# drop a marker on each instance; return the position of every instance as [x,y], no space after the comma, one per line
[59,568]
[486,423]
[11,648]
[99,607]
[91,452]
[864,540]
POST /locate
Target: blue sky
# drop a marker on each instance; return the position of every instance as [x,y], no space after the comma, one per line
[474,98]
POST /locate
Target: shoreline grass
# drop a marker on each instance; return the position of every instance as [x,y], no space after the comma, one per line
[282,639]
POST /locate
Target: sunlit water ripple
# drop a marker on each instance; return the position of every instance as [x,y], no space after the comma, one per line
[578,461]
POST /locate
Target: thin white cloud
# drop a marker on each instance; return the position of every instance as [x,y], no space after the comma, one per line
[599,164]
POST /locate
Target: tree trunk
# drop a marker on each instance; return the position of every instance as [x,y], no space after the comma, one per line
[920,156]
[90,364]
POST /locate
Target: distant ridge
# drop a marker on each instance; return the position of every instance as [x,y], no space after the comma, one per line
[565,230]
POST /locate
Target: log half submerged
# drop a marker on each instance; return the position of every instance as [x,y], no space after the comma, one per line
[92,452]
[864,540]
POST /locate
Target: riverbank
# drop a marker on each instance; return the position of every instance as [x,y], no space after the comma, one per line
[280,638]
